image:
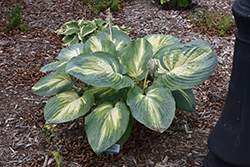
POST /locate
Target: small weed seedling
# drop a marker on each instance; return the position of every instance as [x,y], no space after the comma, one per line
[220,21]
[50,130]
[14,19]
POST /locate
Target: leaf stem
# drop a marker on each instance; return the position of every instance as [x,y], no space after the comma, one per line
[145,82]
[80,85]
[122,100]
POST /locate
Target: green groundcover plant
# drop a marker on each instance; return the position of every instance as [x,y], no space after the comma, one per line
[178,3]
[101,5]
[220,21]
[14,18]
[123,82]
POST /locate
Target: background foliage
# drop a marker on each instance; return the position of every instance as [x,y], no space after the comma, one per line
[220,21]
[101,5]
[177,3]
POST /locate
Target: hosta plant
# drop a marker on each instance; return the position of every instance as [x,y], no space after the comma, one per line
[123,82]
[80,31]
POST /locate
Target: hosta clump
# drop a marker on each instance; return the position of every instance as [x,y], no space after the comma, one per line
[80,31]
[143,80]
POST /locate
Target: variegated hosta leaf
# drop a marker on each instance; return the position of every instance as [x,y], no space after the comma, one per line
[106,124]
[70,39]
[188,65]
[125,29]
[159,40]
[71,31]
[71,51]
[53,83]
[99,22]
[94,44]
[81,22]
[126,134]
[67,106]
[119,38]
[155,109]
[70,24]
[99,69]
[163,51]
[119,55]
[135,58]
[106,94]
[87,28]
[184,99]
[85,31]
[54,66]
[59,31]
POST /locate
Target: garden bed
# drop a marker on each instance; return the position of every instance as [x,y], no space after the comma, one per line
[23,141]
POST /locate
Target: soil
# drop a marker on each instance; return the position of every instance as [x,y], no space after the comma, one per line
[23,141]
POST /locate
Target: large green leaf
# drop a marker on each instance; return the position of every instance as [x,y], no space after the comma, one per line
[99,69]
[94,44]
[186,65]
[71,51]
[53,83]
[159,40]
[106,94]
[54,66]
[184,99]
[119,38]
[106,124]
[155,109]
[67,106]
[135,58]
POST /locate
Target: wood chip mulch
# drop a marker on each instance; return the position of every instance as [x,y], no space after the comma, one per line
[22,139]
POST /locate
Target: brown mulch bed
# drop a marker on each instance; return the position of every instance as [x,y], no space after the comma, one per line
[22,139]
